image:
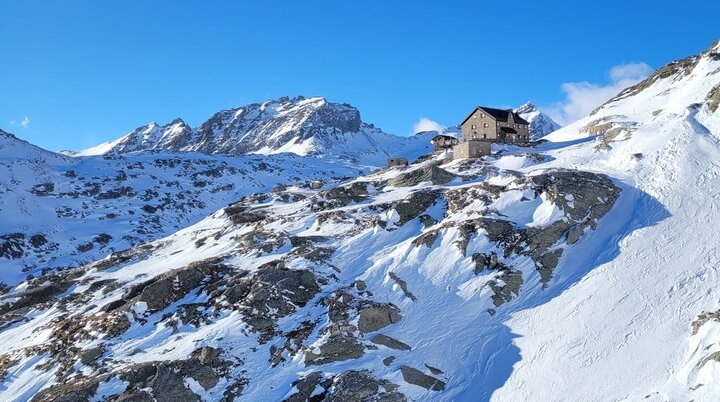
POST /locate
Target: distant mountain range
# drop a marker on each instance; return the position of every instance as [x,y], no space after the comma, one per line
[303,126]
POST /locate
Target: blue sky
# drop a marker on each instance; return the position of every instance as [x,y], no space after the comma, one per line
[76,73]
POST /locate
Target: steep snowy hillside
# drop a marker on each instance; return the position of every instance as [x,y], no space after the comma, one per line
[394,285]
[540,123]
[642,325]
[59,212]
[668,92]
[301,126]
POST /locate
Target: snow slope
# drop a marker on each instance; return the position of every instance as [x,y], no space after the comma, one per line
[633,328]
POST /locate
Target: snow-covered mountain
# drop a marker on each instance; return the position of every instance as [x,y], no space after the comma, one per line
[59,212]
[306,127]
[669,93]
[585,268]
[540,123]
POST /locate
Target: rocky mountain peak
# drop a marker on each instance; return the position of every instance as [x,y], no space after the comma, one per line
[304,126]
[540,123]
[527,107]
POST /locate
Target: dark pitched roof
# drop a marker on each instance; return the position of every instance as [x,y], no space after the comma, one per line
[508,130]
[498,114]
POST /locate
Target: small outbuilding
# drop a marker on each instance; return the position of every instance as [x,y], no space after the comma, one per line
[471,149]
[443,142]
[397,161]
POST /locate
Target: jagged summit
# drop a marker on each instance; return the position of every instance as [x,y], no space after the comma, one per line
[299,125]
[540,123]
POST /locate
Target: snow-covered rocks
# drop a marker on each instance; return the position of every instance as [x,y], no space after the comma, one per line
[294,278]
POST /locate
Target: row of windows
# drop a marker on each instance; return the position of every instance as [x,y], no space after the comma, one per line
[475,136]
[485,125]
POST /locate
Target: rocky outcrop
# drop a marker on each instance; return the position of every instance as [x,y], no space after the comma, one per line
[428,173]
[415,204]
[349,386]
[377,316]
[414,376]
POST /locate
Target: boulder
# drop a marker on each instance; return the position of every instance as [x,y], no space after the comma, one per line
[416,377]
[337,348]
[377,316]
[389,342]
[431,173]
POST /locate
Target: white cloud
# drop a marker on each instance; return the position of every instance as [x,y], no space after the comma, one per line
[425,124]
[24,123]
[583,97]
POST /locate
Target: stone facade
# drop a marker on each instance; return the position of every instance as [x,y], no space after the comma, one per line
[471,149]
[397,162]
[496,125]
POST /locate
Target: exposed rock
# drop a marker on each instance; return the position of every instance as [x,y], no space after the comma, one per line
[487,261]
[345,195]
[713,98]
[275,291]
[574,234]
[703,319]
[174,285]
[166,380]
[677,68]
[427,220]
[415,204]
[506,286]
[361,386]
[417,377]
[337,348]
[435,371]
[431,173]
[88,356]
[388,360]
[403,285]
[306,386]
[240,215]
[426,239]
[349,386]
[390,342]
[377,316]
[460,198]
[12,245]
[76,390]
